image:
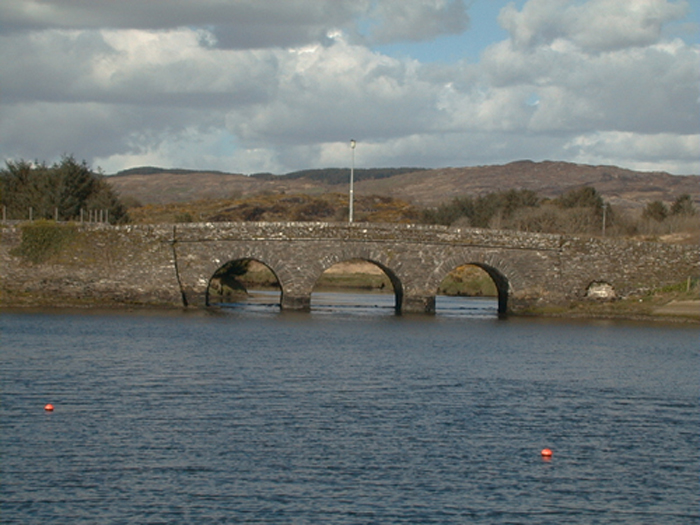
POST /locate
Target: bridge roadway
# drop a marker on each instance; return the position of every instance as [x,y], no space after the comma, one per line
[174,264]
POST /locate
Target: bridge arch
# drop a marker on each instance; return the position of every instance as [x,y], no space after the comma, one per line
[500,272]
[217,255]
[235,277]
[333,259]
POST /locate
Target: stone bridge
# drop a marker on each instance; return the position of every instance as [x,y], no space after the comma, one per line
[171,264]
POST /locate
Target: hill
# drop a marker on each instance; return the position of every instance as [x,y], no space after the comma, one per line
[421,187]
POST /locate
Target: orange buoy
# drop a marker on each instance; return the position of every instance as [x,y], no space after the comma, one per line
[48,407]
[546,453]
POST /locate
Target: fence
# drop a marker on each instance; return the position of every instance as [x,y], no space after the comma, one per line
[90,216]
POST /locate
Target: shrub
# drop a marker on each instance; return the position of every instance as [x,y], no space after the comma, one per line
[655,210]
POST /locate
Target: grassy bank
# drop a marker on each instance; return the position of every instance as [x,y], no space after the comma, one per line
[679,302]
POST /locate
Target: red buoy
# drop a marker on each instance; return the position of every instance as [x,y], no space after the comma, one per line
[546,453]
[48,407]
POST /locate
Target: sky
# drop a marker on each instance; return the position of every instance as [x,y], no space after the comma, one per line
[251,86]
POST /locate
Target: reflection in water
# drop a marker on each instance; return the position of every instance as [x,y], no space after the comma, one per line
[367,304]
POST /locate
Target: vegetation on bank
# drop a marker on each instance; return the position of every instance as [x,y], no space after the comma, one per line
[579,211]
[42,240]
[677,302]
[328,207]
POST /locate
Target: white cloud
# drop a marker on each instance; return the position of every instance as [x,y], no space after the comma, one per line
[678,153]
[327,94]
[133,82]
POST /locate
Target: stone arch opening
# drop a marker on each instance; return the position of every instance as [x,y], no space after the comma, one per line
[476,279]
[359,277]
[238,279]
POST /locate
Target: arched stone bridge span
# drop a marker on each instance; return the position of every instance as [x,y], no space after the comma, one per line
[525,267]
[174,264]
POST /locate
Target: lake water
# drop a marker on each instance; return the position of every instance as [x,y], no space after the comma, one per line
[346,415]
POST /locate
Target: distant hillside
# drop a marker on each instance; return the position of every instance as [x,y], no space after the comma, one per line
[421,187]
[152,170]
[341,175]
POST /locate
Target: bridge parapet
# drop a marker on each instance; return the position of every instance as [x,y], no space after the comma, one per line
[370,232]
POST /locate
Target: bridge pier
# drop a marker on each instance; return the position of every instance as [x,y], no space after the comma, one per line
[418,304]
[299,303]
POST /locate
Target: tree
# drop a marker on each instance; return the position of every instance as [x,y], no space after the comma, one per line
[66,187]
[76,184]
[586,197]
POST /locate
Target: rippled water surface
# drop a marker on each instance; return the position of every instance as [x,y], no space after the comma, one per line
[346,416]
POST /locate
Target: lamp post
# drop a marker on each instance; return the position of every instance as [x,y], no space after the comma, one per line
[352,177]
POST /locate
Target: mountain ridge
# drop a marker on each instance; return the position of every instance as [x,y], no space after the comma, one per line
[420,186]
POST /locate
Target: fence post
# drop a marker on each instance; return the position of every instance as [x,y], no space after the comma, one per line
[31,214]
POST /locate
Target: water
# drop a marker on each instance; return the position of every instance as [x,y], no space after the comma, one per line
[369,303]
[346,416]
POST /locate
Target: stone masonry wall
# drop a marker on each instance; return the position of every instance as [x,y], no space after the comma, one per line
[172,264]
[102,266]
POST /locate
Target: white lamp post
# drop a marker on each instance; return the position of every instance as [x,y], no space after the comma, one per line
[352,177]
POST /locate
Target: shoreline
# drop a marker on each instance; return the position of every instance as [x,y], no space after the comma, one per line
[678,312]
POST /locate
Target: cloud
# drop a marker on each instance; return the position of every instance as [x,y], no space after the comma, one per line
[131,82]
[330,93]
[644,152]
[262,24]
[650,89]
[246,24]
[415,21]
[594,26]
